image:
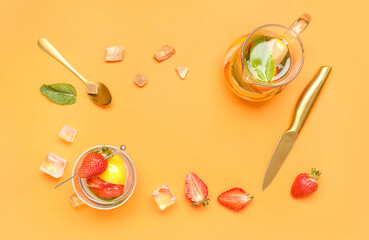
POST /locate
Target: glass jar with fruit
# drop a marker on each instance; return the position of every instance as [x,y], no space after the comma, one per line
[260,64]
[106,177]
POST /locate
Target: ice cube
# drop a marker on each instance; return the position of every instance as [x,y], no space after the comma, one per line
[54,165]
[68,133]
[164,197]
[75,200]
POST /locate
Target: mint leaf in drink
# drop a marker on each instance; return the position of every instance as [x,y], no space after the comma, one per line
[260,74]
[270,69]
[262,61]
[60,93]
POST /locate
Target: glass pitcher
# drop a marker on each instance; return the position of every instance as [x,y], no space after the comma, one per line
[260,64]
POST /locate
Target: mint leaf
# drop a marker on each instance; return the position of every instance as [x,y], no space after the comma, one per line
[60,93]
[262,61]
[63,88]
[260,74]
[270,69]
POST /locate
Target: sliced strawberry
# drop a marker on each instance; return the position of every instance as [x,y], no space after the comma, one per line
[96,182]
[109,192]
[196,190]
[235,198]
[95,190]
[250,45]
[93,164]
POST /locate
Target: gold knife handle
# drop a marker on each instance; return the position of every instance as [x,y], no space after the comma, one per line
[307,98]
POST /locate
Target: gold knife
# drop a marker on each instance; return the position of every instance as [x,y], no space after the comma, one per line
[302,110]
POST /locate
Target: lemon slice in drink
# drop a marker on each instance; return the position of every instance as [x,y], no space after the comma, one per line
[116,172]
[278,50]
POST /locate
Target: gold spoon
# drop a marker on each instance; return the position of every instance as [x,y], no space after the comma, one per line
[103,96]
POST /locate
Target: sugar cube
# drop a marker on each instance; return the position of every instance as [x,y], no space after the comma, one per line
[68,133]
[163,197]
[114,54]
[54,165]
[140,80]
[75,200]
[182,71]
[164,53]
[92,88]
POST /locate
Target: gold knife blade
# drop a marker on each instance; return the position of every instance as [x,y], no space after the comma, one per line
[302,110]
[284,146]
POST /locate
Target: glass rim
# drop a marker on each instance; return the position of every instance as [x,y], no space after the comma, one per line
[302,50]
[133,184]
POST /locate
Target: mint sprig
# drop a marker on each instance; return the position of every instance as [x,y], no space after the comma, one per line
[262,61]
[270,69]
[60,93]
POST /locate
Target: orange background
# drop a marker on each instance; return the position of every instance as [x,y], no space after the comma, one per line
[172,127]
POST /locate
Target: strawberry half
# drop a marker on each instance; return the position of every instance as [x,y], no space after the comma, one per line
[96,182]
[305,184]
[109,192]
[93,164]
[196,190]
[235,198]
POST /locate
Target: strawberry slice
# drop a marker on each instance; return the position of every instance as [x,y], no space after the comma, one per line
[109,192]
[235,198]
[93,164]
[96,182]
[196,190]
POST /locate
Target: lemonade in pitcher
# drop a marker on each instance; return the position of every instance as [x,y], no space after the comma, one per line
[260,64]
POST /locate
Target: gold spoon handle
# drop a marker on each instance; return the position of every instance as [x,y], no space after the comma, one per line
[45,45]
[308,97]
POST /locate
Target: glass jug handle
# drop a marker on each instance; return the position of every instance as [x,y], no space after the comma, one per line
[300,24]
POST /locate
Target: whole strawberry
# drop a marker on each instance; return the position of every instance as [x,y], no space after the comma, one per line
[196,190]
[93,164]
[305,184]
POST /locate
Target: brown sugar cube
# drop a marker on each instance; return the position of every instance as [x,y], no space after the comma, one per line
[164,53]
[182,71]
[140,80]
[114,54]
[92,88]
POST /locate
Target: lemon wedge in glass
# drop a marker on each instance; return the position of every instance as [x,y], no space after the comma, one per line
[278,50]
[116,172]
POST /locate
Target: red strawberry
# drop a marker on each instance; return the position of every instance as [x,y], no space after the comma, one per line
[95,190]
[96,182]
[196,190]
[250,46]
[235,198]
[305,184]
[93,164]
[109,192]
